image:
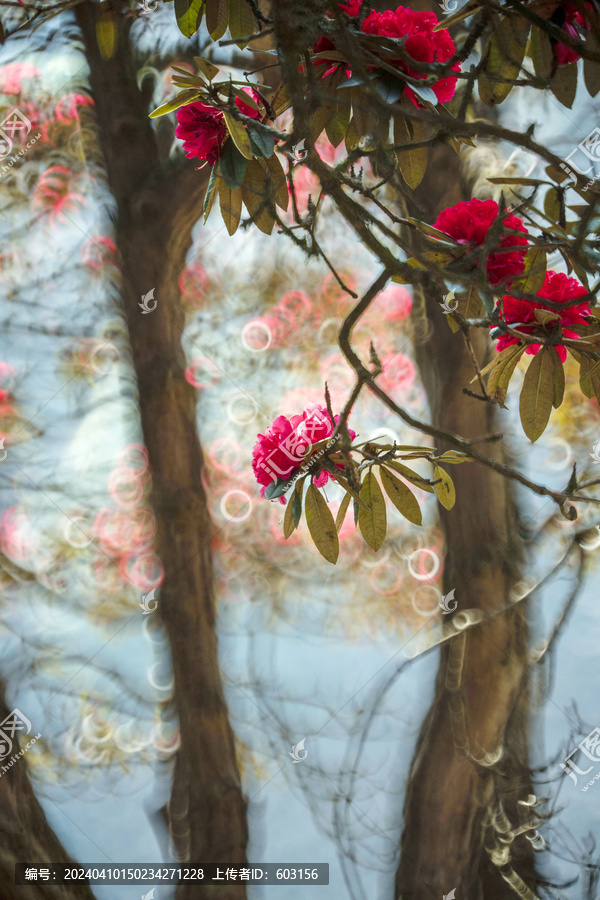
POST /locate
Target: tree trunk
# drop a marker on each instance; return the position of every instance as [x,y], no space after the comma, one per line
[26,836]
[158,205]
[449,795]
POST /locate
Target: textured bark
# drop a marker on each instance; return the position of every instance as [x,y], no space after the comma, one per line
[25,834]
[448,794]
[158,204]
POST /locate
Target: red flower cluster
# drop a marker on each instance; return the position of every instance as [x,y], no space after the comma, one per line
[278,453]
[202,129]
[520,313]
[468,223]
[569,17]
[420,41]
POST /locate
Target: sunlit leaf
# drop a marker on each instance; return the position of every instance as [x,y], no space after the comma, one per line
[401,496]
[372,520]
[537,394]
[239,135]
[497,386]
[411,476]
[183,98]
[444,488]
[206,67]
[321,525]
[106,30]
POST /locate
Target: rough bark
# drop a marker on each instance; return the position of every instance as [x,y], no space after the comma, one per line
[26,835]
[158,204]
[448,795]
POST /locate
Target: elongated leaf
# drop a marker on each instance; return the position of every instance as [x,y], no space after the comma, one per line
[211,192]
[320,119]
[106,30]
[278,186]
[337,124]
[535,271]
[559,378]
[525,182]
[372,520]
[537,394]
[455,457]
[217,17]
[540,51]
[188,14]
[402,497]
[412,163]
[497,386]
[231,206]
[321,525]
[232,165]
[239,135]
[341,515]
[253,195]
[444,488]
[591,69]
[293,511]
[180,99]
[552,204]
[207,68]
[241,21]
[564,84]
[504,56]
[411,476]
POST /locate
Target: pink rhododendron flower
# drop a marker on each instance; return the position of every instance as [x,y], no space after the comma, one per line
[569,17]
[279,452]
[202,128]
[520,313]
[468,222]
[12,74]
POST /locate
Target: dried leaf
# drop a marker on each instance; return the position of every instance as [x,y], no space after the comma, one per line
[444,488]
[564,84]
[402,497]
[412,163]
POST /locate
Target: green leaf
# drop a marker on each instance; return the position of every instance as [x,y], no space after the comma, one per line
[217,17]
[276,489]
[106,30]
[390,89]
[239,135]
[262,144]
[591,69]
[444,488]
[552,205]
[183,98]
[293,511]
[206,67]
[337,123]
[564,84]
[254,194]
[321,525]
[232,165]
[372,520]
[455,457]
[559,378]
[540,52]
[356,512]
[535,271]
[497,386]
[537,394]
[278,185]
[297,501]
[504,57]
[402,497]
[412,163]
[411,476]
[241,21]
[526,182]
[339,519]
[231,206]
[211,192]
[189,16]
